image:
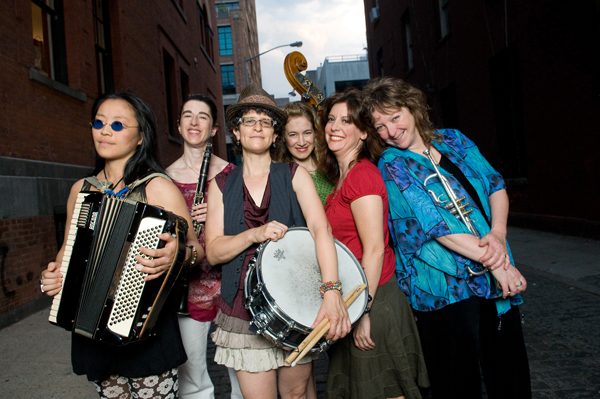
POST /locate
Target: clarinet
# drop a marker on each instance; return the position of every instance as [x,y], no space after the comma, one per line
[198,199]
[199,196]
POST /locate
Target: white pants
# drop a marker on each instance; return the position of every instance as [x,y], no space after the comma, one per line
[194,381]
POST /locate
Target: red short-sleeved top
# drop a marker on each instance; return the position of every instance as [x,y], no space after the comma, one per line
[362,179]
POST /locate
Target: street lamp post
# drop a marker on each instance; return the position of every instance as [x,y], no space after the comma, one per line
[248,60]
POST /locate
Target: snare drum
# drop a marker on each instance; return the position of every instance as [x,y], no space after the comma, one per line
[282,288]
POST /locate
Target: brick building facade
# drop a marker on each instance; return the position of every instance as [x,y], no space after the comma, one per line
[56,58]
[517,77]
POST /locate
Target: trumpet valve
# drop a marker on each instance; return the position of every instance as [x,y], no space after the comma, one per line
[465,211]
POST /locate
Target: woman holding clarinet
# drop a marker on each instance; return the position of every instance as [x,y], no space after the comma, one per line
[192,173]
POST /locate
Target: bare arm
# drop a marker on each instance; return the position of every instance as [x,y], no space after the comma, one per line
[333,307]
[495,241]
[368,216]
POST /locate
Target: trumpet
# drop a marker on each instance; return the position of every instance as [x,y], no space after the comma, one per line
[457,206]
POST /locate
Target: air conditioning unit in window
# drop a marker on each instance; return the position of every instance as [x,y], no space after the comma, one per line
[374,14]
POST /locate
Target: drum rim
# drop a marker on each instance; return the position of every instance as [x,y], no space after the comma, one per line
[278,310]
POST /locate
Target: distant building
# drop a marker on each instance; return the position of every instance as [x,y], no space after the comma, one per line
[520,79]
[340,72]
[56,58]
[238,41]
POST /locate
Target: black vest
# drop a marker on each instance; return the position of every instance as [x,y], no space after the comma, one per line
[283,208]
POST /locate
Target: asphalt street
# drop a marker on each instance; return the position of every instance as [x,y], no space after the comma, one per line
[561,327]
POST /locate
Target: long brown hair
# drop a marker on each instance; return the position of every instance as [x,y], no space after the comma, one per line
[359,116]
[390,94]
[295,110]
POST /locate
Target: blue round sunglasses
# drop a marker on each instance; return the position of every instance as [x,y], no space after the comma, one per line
[115,126]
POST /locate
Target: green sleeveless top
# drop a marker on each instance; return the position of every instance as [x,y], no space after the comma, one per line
[323,186]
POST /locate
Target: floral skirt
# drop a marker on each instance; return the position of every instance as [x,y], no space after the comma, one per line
[243,350]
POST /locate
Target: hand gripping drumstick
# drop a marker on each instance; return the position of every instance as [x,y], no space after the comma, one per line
[317,333]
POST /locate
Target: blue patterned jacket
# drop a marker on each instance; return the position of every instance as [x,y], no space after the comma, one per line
[431,275]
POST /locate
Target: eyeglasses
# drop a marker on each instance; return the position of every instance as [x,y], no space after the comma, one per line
[266,123]
[115,126]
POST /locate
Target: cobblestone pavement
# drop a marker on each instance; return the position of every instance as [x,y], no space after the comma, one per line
[562,334]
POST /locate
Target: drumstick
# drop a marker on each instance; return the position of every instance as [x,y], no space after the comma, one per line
[317,333]
[309,342]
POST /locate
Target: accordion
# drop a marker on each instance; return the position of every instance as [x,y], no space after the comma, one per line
[104,297]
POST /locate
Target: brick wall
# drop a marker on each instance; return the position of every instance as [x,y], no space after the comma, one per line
[27,244]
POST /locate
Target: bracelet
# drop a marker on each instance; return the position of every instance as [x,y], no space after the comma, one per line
[368,308]
[194,255]
[330,285]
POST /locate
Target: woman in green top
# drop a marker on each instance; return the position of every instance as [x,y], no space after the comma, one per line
[301,134]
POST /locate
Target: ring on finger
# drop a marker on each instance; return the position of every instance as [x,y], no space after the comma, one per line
[519,284]
[42,288]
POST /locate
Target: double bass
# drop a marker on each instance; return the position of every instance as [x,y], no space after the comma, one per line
[293,65]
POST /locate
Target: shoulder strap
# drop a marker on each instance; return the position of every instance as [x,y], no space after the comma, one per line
[147,178]
[92,181]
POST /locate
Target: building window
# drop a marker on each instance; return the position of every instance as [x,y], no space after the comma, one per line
[225,41]
[185,84]
[103,47]
[223,9]
[408,44]
[228,79]
[206,32]
[48,34]
[444,18]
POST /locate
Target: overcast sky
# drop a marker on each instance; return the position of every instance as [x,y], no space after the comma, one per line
[325,27]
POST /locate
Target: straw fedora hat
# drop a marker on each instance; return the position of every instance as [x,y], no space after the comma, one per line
[254,96]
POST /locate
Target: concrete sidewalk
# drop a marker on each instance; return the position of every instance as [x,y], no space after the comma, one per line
[35,356]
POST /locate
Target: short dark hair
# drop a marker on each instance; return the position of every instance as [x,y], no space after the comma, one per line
[205,99]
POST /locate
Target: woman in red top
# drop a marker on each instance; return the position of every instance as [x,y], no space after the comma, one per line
[382,358]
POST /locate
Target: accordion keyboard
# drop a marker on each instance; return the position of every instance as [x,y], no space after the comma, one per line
[81,213]
[131,285]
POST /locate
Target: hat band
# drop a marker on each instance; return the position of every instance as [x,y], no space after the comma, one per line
[257,98]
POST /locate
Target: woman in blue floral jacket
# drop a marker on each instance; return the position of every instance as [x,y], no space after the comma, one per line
[460,280]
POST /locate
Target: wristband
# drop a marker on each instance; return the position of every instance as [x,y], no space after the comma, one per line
[193,254]
[330,285]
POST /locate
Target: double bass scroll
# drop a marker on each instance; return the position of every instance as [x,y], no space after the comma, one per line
[293,65]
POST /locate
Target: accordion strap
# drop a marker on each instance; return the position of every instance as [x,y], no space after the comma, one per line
[144,179]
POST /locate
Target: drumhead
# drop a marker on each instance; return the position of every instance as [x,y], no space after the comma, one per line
[290,273]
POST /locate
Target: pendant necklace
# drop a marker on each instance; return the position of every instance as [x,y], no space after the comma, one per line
[106,186]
